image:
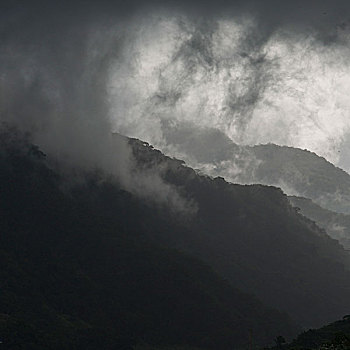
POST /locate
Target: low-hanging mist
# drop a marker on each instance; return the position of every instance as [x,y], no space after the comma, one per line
[53,85]
[104,236]
[72,74]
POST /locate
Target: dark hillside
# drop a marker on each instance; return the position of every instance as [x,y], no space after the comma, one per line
[296,171]
[253,237]
[306,173]
[334,336]
[337,225]
[79,271]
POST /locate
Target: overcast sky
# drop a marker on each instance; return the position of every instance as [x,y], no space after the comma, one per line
[257,71]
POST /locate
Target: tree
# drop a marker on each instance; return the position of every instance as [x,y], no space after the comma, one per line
[280,341]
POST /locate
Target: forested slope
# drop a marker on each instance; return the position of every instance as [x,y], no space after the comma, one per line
[256,239]
[79,270]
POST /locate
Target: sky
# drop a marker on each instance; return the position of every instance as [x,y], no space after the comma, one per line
[254,71]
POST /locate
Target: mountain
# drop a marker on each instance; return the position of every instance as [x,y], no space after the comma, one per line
[86,264]
[335,335]
[337,225]
[298,172]
[253,237]
[306,173]
[79,269]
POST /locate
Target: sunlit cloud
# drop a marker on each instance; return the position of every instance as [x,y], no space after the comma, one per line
[289,89]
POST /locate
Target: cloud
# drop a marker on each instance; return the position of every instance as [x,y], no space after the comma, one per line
[54,71]
[288,88]
[73,72]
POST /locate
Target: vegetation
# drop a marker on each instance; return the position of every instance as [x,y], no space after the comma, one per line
[87,265]
[296,171]
[335,336]
[79,270]
[337,225]
[253,237]
[306,174]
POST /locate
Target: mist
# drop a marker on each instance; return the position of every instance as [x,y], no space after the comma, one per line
[288,88]
[72,75]
[55,66]
[108,242]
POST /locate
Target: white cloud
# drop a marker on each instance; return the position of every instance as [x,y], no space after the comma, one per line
[290,89]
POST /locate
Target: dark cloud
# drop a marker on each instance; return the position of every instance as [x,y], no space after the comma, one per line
[56,59]
[54,66]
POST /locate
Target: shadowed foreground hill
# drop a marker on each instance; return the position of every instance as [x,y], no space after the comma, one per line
[334,336]
[79,270]
[259,242]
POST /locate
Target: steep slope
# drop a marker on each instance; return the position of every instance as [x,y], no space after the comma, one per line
[78,270]
[297,172]
[336,225]
[306,173]
[253,237]
[334,336]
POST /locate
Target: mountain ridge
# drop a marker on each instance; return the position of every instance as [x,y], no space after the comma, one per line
[337,225]
[79,272]
[231,217]
[298,172]
[100,238]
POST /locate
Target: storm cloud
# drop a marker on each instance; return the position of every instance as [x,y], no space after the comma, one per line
[256,72]
[289,87]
